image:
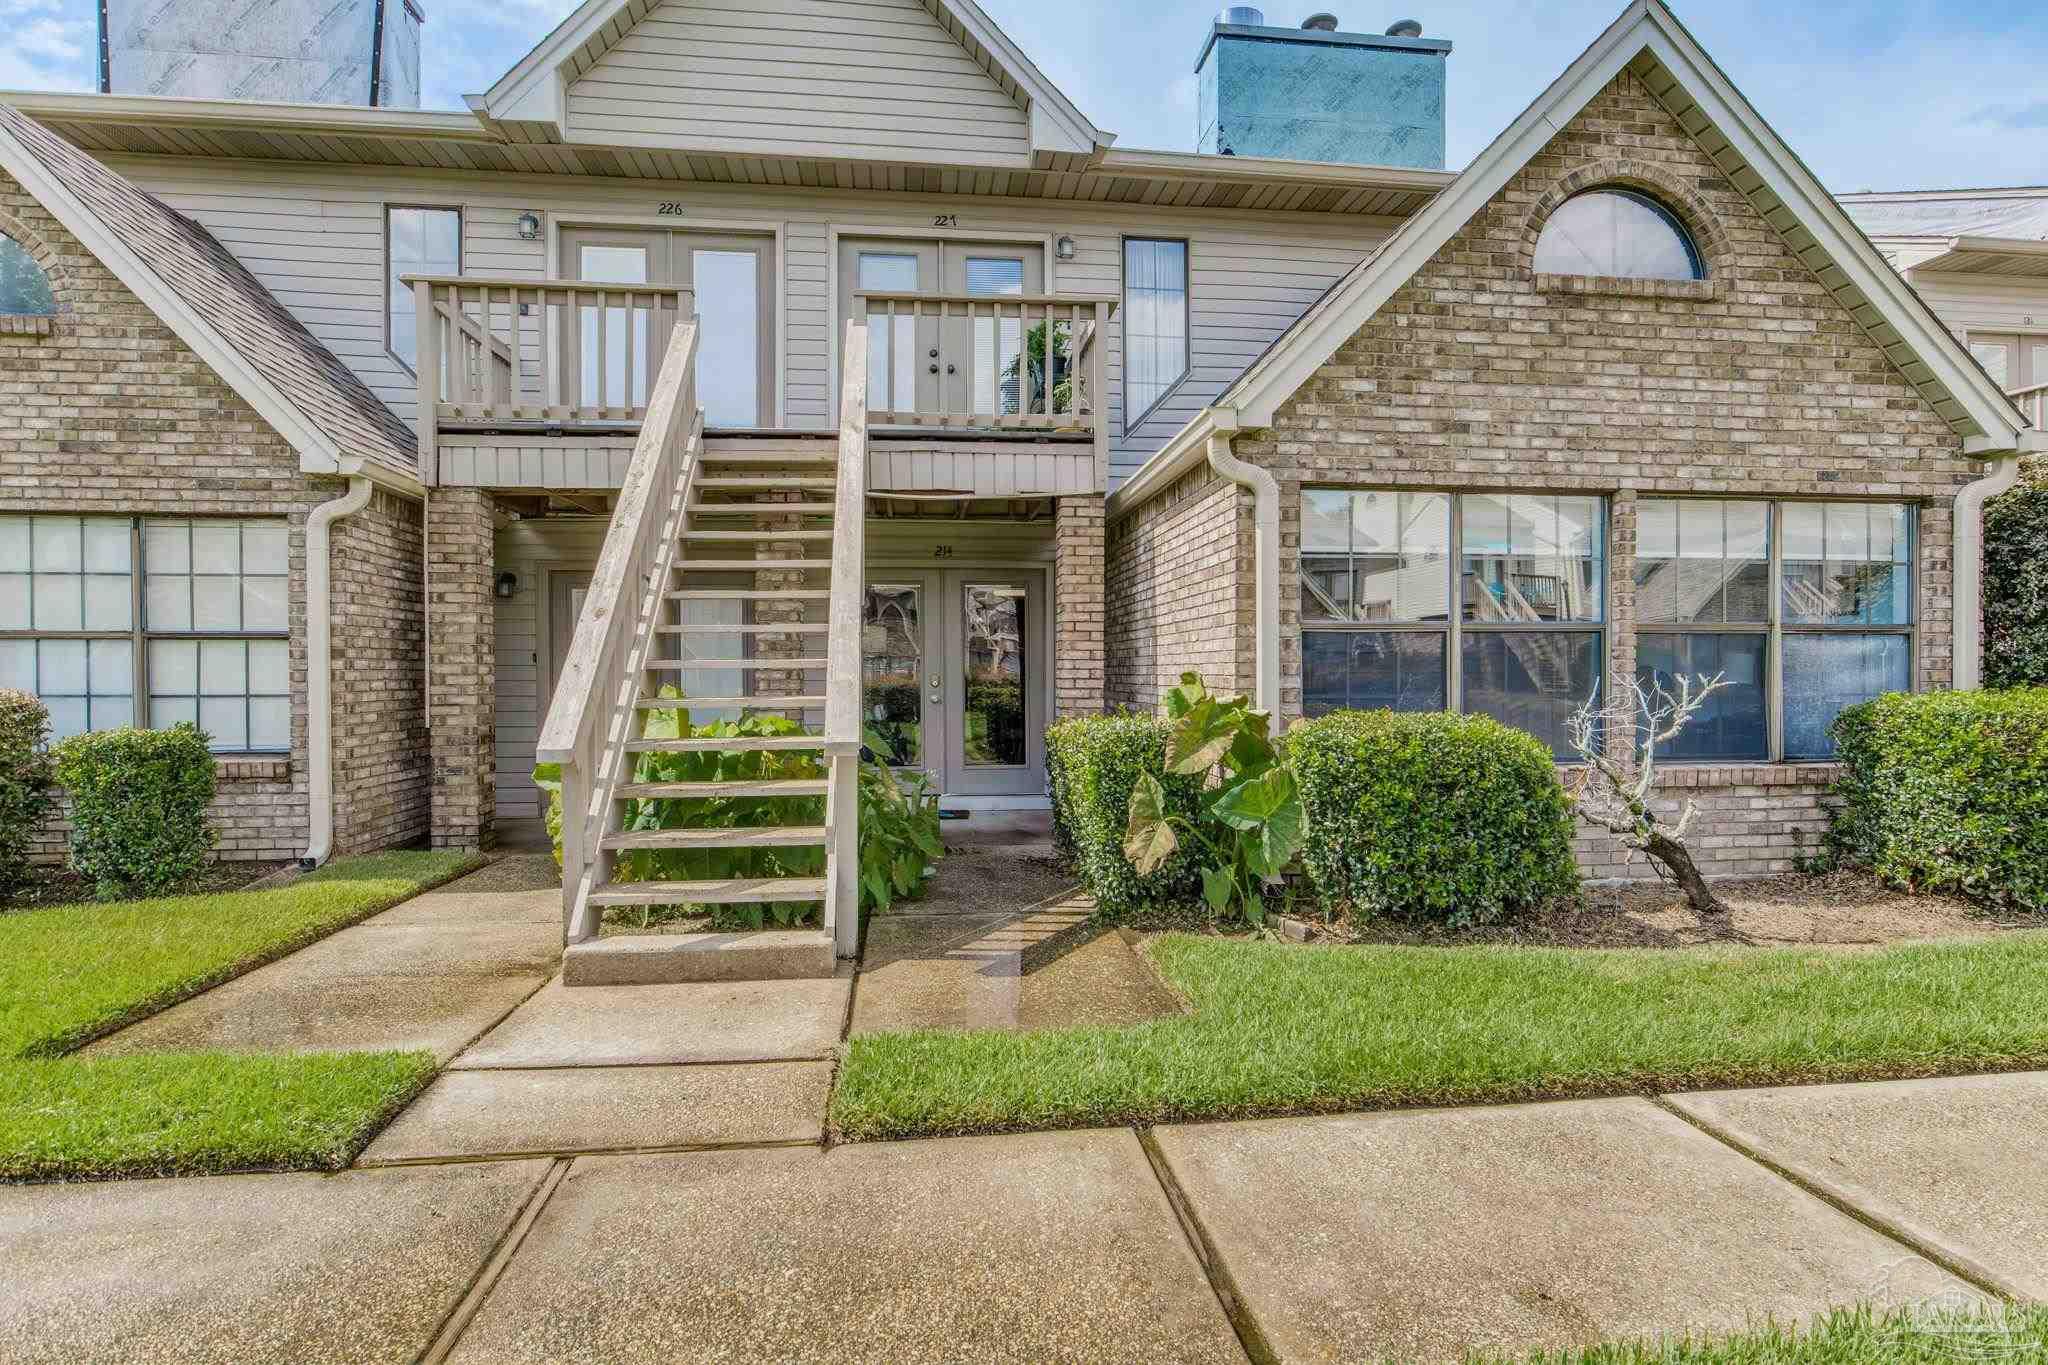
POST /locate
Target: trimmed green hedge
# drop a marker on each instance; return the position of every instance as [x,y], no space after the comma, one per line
[1948,791]
[2016,588]
[1094,763]
[138,807]
[1457,819]
[25,782]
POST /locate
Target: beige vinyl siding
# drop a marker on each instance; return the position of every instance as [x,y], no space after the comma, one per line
[313,235]
[874,78]
[529,549]
[1985,303]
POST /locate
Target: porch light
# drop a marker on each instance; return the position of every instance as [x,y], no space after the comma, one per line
[1063,247]
[507,584]
[529,226]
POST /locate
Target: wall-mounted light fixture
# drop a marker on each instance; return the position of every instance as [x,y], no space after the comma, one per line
[1063,247]
[507,584]
[529,226]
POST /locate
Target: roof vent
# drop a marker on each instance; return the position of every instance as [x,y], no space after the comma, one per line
[1321,22]
[1244,14]
[1404,28]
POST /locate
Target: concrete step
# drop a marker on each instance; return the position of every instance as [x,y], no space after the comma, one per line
[733,745]
[804,703]
[666,959]
[770,836]
[666,791]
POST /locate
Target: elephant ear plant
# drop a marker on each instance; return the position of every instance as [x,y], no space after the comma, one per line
[1250,820]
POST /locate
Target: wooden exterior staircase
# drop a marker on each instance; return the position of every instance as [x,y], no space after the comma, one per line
[749,542]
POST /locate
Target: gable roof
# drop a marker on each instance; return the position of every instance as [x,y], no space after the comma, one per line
[534,94]
[1648,41]
[213,303]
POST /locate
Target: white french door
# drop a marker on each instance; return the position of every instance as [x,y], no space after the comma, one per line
[906,372]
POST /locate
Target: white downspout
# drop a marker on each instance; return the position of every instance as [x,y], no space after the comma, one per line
[1265,557]
[319,669]
[1968,626]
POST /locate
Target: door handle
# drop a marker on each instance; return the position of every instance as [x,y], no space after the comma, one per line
[935,369]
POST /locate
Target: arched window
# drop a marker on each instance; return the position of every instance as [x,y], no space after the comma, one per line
[1619,234]
[24,288]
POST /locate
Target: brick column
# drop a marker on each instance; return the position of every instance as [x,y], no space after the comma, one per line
[1080,615]
[462,667]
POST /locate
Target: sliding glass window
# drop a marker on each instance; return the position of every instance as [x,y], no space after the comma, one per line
[1378,574]
[1805,608]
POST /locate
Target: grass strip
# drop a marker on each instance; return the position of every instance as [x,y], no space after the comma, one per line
[198,1113]
[72,973]
[1277,1029]
[1849,1336]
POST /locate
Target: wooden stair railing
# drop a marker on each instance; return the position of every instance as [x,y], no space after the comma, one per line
[843,672]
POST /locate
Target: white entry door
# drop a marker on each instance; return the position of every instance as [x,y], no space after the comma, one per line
[906,372]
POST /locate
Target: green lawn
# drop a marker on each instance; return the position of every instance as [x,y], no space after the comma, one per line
[1849,1337]
[1277,1029]
[72,973]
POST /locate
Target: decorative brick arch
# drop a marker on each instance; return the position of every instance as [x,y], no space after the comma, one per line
[43,254]
[1708,234]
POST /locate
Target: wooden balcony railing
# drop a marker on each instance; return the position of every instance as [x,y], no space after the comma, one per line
[1024,362]
[506,353]
[2033,401]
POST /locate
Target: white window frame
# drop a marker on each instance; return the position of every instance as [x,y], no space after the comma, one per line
[140,636]
[461,252]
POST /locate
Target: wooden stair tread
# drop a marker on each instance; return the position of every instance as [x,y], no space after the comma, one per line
[690,791]
[748,595]
[757,703]
[732,891]
[763,509]
[731,744]
[754,537]
[750,565]
[756,483]
[753,665]
[769,836]
[786,628]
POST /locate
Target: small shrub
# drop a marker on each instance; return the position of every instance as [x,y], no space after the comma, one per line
[1095,764]
[1948,791]
[25,782]
[2016,587]
[138,808]
[1456,819]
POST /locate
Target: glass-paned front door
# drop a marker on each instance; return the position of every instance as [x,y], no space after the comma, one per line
[993,727]
[892,670]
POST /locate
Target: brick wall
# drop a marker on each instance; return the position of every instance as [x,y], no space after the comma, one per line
[462,667]
[380,739]
[1753,820]
[1078,607]
[1180,591]
[1481,375]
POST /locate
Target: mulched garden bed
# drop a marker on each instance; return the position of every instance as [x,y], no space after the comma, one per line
[59,886]
[1845,908]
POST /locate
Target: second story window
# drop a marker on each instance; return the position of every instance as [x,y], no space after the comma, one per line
[1155,324]
[417,241]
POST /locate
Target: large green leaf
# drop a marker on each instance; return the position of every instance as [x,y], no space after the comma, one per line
[1148,838]
[1268,809]
[1183,699]
[1201,739]
[1219,888]
[1252,752]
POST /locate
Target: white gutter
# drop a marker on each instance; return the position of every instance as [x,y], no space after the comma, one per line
[319,669]
[1967,673]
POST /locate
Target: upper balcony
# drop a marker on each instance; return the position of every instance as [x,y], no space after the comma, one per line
[544,384]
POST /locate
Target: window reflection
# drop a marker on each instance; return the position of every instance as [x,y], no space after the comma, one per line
[892,667]
[993,726]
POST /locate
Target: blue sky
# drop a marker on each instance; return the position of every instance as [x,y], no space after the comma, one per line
[1884,94]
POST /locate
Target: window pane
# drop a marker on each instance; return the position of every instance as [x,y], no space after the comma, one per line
[174,666]
[1532,680]
[60,668]
[1701,560]
[1733,724]
[111,665]
[1996,358]
[1825,673]
[59,601]
[1372,670]
[18,665]
[216,603]
[24,288]
[1325,555]
[266,548]
[1847,564]
[1533,558]
[269,667]
[1155,323]
[15,555]
[167,602]
[270,723]
[1618,234]
[107,545]
[59,545]
[993,724]
[68,716]
[167,547]
[223,668]
[225,721]
[263,604]
[892,668]
[109,602]
[729,368]
[421,242]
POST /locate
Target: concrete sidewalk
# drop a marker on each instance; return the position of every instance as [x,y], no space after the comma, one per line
[1412,1236]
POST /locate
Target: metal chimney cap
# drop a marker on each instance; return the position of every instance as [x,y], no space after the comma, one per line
[1404,28]
[1249,15]
[1322,21]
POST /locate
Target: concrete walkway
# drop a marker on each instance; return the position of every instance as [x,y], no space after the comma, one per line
[640,1174]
